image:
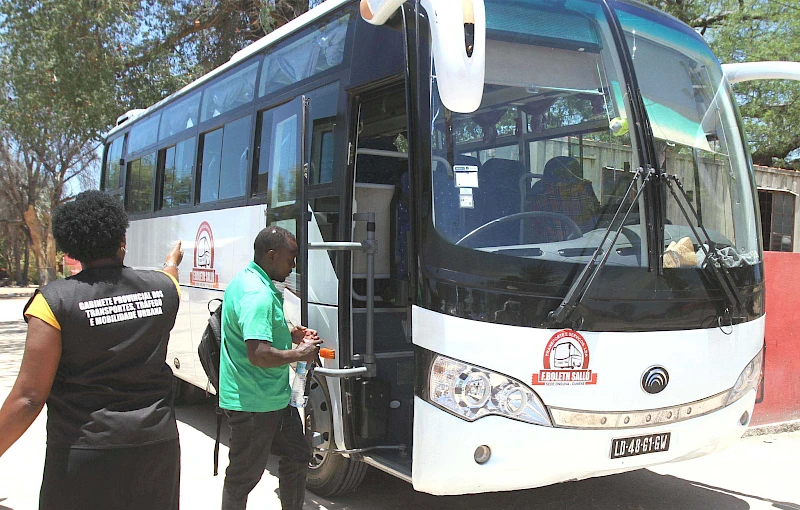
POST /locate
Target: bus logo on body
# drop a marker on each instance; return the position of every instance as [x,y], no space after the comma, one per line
[203,272]
[655,379]
[566,361]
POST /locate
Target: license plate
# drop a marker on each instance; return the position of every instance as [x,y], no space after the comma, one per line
[639,445]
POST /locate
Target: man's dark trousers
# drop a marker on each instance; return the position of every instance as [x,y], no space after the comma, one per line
[254,436]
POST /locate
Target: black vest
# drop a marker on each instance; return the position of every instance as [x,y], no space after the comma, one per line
[113,387]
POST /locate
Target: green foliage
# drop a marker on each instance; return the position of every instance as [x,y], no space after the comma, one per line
[752,31]
[58,67]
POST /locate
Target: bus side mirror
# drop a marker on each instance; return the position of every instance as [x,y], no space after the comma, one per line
[458,31]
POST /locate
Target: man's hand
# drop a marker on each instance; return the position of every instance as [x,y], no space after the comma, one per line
[308,349]
[302,333]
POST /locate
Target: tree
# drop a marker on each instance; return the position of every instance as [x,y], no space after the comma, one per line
[198,35]
[12,243]
[68,68]
[57,71]
[749,31]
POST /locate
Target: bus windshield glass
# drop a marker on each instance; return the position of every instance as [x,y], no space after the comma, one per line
[541,167]
[694,121]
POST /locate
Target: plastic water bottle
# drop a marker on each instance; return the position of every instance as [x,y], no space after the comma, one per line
[299,397]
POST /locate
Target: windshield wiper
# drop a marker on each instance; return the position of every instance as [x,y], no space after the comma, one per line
[720,271]
[581,284]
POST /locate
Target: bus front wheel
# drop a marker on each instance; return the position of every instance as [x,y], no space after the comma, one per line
[329,474]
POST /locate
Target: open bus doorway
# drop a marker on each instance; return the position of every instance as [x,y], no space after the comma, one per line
[380,407]
[382,186]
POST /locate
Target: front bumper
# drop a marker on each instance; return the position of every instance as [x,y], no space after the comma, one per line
[526,456]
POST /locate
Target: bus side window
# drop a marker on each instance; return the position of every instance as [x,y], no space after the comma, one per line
[113,174]
[141,176]
[277,154]
[235,154]
[209,178]
[322,146]
[323,134]
[230,92]
[225,154]
[284,158]
[313,53]
[177,177]
[144,133]
[179,116]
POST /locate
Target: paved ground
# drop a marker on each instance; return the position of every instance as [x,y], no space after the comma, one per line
[759,472]
[16,292]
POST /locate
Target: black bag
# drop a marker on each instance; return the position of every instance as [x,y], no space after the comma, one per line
[209,353]
[210,345]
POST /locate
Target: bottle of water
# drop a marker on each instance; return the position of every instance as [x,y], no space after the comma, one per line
[299,398]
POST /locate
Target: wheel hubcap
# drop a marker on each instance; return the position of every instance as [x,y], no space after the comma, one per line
[319,420]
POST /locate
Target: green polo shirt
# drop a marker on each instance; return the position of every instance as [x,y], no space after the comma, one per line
[252,309]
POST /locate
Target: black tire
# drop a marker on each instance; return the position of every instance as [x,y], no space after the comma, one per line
[328,474]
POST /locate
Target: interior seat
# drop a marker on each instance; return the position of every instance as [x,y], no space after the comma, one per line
[497,196]
[561,190]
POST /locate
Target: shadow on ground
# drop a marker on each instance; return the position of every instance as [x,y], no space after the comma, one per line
[637,490]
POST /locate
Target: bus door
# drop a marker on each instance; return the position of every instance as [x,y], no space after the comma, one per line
[281,148]
[382,186]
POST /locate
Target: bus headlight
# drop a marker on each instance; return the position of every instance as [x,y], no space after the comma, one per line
[748,379]
[472,392]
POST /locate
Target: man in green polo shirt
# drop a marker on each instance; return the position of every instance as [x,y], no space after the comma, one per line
[254,375]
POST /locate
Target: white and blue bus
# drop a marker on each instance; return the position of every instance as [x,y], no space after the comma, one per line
[527,228]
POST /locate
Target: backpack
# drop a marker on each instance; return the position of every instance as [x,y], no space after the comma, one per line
[211,343]
[209,353]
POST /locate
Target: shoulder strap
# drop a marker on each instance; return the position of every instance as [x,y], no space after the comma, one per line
[216,443]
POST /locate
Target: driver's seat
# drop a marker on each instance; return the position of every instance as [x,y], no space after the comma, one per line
[497,197]
[561,191]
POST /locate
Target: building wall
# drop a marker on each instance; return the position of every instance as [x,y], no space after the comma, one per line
[782,180]
[782,366]
[781,389]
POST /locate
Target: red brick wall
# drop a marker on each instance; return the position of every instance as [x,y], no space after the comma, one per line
[782,371]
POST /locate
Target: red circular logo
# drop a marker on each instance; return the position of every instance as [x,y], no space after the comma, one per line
[204,247]
[566,350]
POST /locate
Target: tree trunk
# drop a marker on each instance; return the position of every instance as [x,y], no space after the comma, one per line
[23,281]
[37,242]
[51,257]
[16,257]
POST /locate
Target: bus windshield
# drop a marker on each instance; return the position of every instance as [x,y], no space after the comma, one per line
[693,117]
[540,168]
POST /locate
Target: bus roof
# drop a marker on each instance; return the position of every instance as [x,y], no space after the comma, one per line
[273,37]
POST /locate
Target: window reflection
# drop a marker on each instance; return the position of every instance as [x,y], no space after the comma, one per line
[144,134]
[301,59]
[140,186]
[114,177]
[232,92]
[225,161]
[178,170]
[180,116]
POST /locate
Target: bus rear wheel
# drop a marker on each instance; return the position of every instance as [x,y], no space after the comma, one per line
[329,474]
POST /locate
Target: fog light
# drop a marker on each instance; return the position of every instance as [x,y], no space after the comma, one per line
[482,454]
[743,420]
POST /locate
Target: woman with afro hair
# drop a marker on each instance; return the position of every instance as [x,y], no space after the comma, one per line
[95,353]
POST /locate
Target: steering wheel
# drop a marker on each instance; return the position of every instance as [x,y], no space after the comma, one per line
[575,230]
